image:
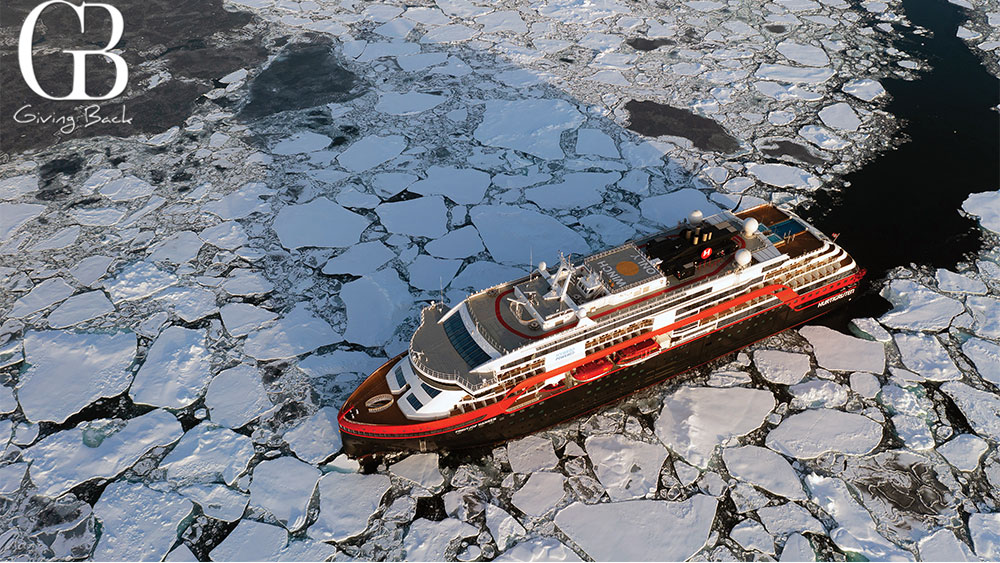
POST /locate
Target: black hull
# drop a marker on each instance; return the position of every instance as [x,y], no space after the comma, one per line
[588,397]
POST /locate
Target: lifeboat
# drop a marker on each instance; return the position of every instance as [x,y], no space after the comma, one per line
[637,352]
[593,370]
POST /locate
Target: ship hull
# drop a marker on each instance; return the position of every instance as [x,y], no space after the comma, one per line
[609,388]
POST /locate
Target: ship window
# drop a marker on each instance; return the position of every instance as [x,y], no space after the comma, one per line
[414,402]
[463,343]
[430,390]
[398,372]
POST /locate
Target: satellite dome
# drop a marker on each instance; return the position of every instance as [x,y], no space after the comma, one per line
[743,256]
[695,217]
[750,226]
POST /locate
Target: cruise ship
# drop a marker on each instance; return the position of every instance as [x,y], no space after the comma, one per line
[564,340]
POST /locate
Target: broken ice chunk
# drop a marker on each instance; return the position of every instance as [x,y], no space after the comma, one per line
[432,273]
[137,281]
[241,203]
[668,209]
[138,523]
[942,545]
[241,318]
[530,454]
[984,529]
[536,131]
[807,55]
[840,116]
[176,370]
[539,549]
[97,449]
[207,454]
[66,371]
[628,469]
[424,216]
[838,352]
[318,223]
[346,502]
[359,259]
[316,438]
[982,205]
[924,354]
[637,533]
[918,308]
[60,239]
[784,176]
[14,215]
[218,501]
[296,333]
[79,308]
[789,518]
[765,469]
[126,188]
[576,190]
[251,541]
[371,151]
[864,88]
[504,528]
[986,356]
[284,487]
[376,305]
[513,235]
[427,540]
[752,536]
[300,143]
[42,296]
[91,269]
[857,531]
[811,433]
[694,421]
[227,235]
[236,396]
[785,368]
[963,451]
[459,243]
[420,469]
[407,103]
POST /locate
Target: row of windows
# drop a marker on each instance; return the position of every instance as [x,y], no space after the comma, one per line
[463,342]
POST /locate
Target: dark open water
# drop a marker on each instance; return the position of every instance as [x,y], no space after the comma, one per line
[902,207]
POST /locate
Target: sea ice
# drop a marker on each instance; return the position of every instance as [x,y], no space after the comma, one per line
[981,408]
[964,451]
[241,203]
[14,215]
[208,454]
[789,518]
[784,176]
[823,138]
[300,143]
[530,454]
[8,403]
[765,469]
[428,540]
[407,103]
[918,308]
[913,431]
[66,371]
[251,541]
[359,259]
[986,356]
[126,188]
[793,74]
[11,475]
[421,217]
[667,209]
[537,129]
[176,370]
[79,308]
[236,396]
[462,185]
[371,152]
[840,116]
[430,274]
[752,536]
[60,239]
[984,205]
[539,549]
[807,55]
[637,533]
[594,141]
[91,269]
[865,384]
[376,305]
[627,468]
[246,282]
[284,487]
[137,281]
[178,248]
[540,493]
[924,354]
[296,333]
[241,318]
[695,420]
[346,502]
[856,530]
[306,550]
[97,449]
[41,297]
[942,545]
[227,235]
[986,312]
[865,89]
[811,433]
[504,528]
[420,469]
[814,394]
[577,190]
[16,186]
[316,438]
[481,275]
[459,243]
[138,523]
[839,352]
[513,235]
[218,501]
[984,529]
[318,223]
[785,368]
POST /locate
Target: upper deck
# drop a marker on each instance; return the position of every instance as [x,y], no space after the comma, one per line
[450,345]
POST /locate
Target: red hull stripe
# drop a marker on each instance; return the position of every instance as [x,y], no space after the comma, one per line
[787,296]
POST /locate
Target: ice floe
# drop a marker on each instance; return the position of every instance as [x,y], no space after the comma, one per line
[785,368]
[856,531]
[359,259]
[983,529]
[241,318]
[236,396]
[918,308]
[667,209]
[176,369]
[318,223]
[284,487]
[942,545]
[765,469]
[811,433]
[346,502]
[986,356]
[41,297]
[925,355]
[428,540]
[797,548]
[982,205]
[964,451]
[138,523]
[14,215]
[789,518]
[316,438]
[126,188]
[514,235]
[461,185]
[420,469]
[208,454]
[838,352]
[371,151]
[296,333]
[784,176]
[694,421]
[66,371]
[97,449]
[536,131]
[531,453]
[303,142]
[751,535]
[540,493]
[539,549]
[627,468]
[376,306]
[79,308]
[981,408]
[218,501]
[813,394]
[137,281]
[866,89]
[840,116]
[421,217]
[504,528]
[251,541]
[638,530]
